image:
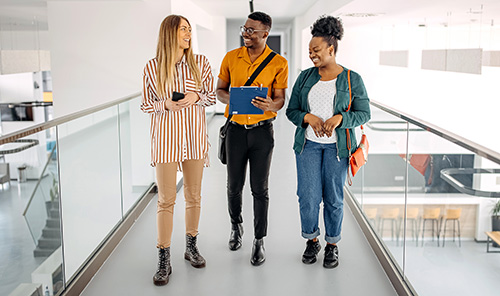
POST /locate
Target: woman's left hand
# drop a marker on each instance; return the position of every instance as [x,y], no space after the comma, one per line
[189,99]
[331,124]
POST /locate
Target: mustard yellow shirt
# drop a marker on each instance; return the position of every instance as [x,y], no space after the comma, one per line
[236,68]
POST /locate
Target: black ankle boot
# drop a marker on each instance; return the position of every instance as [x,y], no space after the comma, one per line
[192,254]
[164,269]
[311,253]
[258,252]
[331,256]
[235,237]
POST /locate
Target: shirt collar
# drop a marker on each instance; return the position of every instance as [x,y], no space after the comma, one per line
[244,54]
[183,60]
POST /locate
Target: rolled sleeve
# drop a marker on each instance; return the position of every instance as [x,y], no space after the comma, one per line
[281,80]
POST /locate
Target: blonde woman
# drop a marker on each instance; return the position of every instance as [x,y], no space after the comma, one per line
[179,139]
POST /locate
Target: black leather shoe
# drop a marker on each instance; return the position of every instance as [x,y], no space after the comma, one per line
[331,256]
[311,253]
[164,269]
[235,237]
[258,252]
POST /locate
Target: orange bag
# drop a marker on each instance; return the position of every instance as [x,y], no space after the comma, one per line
[360,156]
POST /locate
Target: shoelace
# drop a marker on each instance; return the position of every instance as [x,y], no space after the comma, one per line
[193,248]
[162,264]
[330,251]
[310,247]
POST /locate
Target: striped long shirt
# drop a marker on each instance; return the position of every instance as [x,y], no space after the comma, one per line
[180,135]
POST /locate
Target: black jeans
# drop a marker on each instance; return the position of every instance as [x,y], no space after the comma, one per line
[254,146]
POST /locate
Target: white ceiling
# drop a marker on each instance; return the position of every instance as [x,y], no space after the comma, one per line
[280,10]
[23,15]
[30,14]
[429,12]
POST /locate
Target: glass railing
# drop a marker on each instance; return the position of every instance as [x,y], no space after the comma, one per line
[72,196]
[42,209]
[428,196]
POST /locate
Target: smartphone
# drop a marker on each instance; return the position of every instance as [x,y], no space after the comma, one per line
[176,96]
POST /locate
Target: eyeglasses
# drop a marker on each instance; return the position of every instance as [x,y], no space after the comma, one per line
[249,31]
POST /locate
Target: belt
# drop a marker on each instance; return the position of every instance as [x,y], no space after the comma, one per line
[251,126]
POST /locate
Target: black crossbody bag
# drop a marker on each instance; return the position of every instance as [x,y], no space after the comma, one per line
[223,129]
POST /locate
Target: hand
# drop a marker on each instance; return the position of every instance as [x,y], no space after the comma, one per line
[263,103]
[172,106]
[331,124]
[316,123]
[189,99]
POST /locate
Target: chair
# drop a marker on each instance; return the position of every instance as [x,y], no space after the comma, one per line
[371,214]
[431,214]
[453,215]
[412,216]
[4,174]
[392,215]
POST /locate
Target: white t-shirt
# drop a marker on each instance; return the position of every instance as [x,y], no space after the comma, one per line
[321,99]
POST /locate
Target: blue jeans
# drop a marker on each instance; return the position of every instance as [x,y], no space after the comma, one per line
[321,177]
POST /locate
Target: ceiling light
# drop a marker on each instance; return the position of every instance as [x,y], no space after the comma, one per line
[361,14]
[474,12]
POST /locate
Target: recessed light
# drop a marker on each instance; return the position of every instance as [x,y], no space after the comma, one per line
[474,12]
[361,14]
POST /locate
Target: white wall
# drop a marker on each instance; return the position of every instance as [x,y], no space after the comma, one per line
[99,49]
[460,103]
[301,31]
[16,88]
[24,40]
[233,33]
[209,32]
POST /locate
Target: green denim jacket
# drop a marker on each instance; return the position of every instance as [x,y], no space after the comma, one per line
[359,114]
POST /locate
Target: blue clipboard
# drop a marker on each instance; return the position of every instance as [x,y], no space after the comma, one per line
[240,99]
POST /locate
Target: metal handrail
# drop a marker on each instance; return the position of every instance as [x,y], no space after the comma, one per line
[46,125]
[446,174]
[372,124]
[454,138]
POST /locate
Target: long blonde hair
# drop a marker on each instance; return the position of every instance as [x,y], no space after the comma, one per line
[166,52]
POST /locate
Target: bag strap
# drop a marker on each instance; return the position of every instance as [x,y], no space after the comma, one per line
[349,180]
[226,125]
[347,130]
[260,68]
[349,108]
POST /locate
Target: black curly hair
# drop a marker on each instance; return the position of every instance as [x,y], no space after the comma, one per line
[330,28]
[262,17]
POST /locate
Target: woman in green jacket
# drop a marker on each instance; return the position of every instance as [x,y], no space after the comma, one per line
[318,104]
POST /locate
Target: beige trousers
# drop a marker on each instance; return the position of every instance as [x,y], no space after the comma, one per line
[166,174]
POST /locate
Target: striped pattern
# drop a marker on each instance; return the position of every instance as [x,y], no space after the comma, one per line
[181,135]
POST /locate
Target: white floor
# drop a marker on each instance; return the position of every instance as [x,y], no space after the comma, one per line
[130,268]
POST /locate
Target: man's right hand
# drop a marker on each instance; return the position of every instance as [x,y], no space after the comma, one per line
[316,123]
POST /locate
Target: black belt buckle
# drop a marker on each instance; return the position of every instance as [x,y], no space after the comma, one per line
[251,126]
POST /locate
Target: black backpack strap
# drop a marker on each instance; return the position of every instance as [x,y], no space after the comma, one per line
[260,68]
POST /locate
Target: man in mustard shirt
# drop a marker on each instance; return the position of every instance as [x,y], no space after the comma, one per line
[250,138]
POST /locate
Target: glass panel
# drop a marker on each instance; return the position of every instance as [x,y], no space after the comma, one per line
[30,233]
[137,174]
[379,187]
[90,184]
[448,222]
